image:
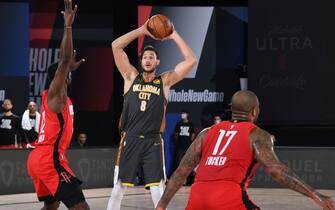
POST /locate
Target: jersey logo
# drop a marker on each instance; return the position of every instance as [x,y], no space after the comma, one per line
[65,177]
[157,81]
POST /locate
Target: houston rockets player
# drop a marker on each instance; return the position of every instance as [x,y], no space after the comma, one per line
[228,154]
[48,166]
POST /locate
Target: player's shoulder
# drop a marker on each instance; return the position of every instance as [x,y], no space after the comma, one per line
[205,131]
[164,76]
[259,134]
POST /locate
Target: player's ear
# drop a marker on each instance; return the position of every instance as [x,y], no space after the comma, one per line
[158,61]
[254,112]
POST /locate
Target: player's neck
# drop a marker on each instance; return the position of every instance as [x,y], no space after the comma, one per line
[9,113]
[148,77]
[240,118]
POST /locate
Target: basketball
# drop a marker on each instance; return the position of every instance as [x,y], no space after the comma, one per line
[160,26]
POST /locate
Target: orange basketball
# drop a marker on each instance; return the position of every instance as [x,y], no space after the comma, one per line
[160,26]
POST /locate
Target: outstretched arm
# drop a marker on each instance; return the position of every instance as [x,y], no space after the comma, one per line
[183,68]
[262,143]
[187,164]
[57,91]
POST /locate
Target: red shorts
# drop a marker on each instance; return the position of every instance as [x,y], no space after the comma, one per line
[218,195]
[53,179]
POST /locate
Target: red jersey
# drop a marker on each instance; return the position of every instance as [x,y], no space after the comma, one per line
[47,164]
[227,154]
[227,165]
[56,128]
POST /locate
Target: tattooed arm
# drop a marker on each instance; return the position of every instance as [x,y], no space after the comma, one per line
[187,164]
[262,143]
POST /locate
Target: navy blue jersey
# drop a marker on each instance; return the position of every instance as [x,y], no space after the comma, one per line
[144,107]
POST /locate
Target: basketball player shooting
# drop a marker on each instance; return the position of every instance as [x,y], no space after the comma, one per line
[228,154]
[142,120]
[48,166]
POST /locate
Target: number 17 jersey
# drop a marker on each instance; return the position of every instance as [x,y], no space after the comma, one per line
[227,154]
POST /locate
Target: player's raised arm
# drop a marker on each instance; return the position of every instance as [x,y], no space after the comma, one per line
[183,68]
[262,144]
[127,70]
[187,164]
[57,90]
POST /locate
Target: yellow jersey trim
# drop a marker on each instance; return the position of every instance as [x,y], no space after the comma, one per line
[152,184]
[127,184]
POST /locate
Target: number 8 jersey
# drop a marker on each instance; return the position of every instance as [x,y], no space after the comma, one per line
[227,154]
[144,107]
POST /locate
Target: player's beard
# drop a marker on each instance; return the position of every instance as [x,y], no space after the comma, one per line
[149,71]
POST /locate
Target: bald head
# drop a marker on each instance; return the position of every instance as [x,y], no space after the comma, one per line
[244,101]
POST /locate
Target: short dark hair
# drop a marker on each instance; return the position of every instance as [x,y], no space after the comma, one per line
[51,71]
[148,48]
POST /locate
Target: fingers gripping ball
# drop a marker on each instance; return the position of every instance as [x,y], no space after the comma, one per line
[160,26]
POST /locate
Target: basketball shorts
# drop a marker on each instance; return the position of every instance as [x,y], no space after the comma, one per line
[218,195]
[140,151]
[52,177]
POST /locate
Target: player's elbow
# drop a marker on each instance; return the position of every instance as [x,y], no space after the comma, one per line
[193,60]
[190,62]
[115,44]
[273,171]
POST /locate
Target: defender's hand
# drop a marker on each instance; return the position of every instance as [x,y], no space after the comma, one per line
[325,202]
[69,13]
[75,64]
